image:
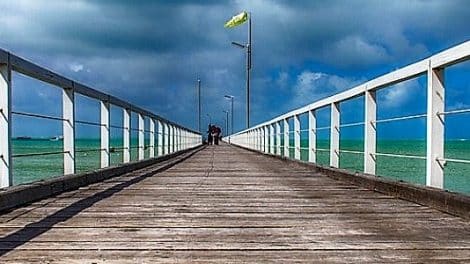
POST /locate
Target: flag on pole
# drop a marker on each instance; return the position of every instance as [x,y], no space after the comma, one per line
[237,20]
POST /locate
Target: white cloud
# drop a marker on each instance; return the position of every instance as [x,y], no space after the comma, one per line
[459,106]
[311,86]
[282,80]
[355,51]
[76,67]
[399,94]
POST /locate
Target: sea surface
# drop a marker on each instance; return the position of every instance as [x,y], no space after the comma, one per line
[456,175]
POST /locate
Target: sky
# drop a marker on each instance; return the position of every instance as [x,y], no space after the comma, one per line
[151,53]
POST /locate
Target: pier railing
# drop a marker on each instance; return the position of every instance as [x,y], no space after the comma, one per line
[170,136]
[266,137]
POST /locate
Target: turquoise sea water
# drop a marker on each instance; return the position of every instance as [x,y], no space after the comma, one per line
[457,175]
[29,169]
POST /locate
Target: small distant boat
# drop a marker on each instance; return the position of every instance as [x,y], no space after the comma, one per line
[23,138]
[56,138]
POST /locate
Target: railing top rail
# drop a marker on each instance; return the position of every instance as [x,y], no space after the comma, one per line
[33,70]
[442,59]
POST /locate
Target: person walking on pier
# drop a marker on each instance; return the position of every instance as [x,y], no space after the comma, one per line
[216,134]
[209,135]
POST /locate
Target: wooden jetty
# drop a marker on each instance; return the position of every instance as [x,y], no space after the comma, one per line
[224,204]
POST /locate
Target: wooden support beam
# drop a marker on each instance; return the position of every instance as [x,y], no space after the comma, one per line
[105,132]
[286,137]
[312,136]
[5,125]
[68,125]
[126,135]
[334,135]
[297,137]
[435,128]
[152,138]
[370,132]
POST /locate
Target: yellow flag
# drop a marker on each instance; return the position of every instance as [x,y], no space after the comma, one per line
[237,20]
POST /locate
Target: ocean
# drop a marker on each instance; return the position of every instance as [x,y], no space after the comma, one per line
[457,175]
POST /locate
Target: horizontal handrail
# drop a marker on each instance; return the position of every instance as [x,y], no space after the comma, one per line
[39,154]
[399,156]
[88,123]
[33,70]
[445,58]
[352,124]
[455,160]
[351,151]
[38,116]
[454,112]
[164,136]
[261,137]
[88,150]
[400,118]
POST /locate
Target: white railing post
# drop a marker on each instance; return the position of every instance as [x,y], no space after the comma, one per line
[271,139]
[68,125]
[171,135]
[249,143]
[126,135]
[254,138]
[435,128]
[296,137]
[266,139]
[166,139]
[178,139]
[141,147]
[160,138]
[286,138]
[278,138]
[370,132]
[104,138]
[152,138]
[260,137]
[312,136]
[334,135]
[5,126]
[183,139]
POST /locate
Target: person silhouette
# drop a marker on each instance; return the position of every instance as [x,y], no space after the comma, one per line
[209,135]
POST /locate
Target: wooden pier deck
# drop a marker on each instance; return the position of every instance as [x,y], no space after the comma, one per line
[224,204]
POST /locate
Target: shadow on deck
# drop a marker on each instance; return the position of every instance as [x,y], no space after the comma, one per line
[226,204]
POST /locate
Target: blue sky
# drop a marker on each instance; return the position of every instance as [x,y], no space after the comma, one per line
[152,52]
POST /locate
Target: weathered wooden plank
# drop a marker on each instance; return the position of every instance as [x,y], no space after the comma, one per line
[220,256]
[248,208]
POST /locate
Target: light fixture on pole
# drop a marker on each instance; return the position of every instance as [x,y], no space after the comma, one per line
[226,121]
[235,21]
[199,104]
[210,119]
[231,111]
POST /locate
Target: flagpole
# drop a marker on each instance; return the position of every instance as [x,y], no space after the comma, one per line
[199,104]
[248,72]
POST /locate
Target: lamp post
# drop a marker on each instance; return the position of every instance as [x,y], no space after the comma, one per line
[226,121]
[231,111]
[248,69]
[199,104]
[210,119]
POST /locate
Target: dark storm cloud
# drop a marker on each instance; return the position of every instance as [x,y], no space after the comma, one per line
[151,52]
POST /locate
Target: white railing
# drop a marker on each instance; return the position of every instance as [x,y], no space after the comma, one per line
[171,137]
[261,136]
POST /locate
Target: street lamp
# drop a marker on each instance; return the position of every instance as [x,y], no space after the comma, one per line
[248,69]
[199,104]
[231,111]
[210,119]
[226,121]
